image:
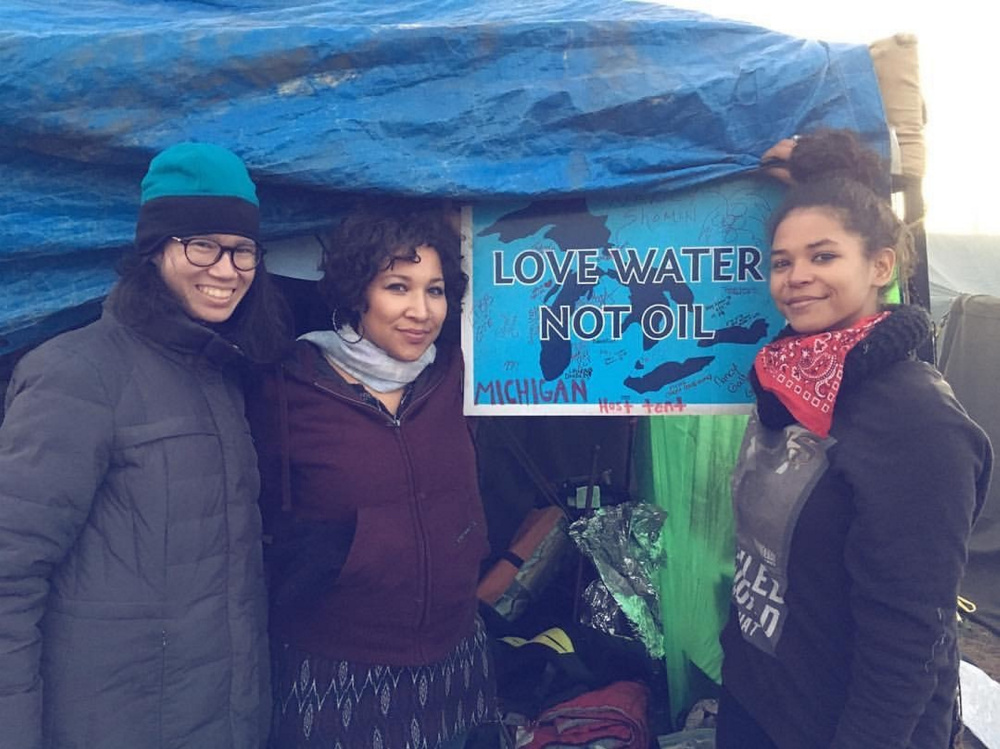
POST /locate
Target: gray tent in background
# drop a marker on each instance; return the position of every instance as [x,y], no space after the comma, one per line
[970,359]
[964,275]
[961,264]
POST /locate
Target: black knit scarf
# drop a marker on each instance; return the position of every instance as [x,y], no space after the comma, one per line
[892,340]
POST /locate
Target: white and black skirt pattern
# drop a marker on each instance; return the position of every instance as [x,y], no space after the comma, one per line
[332,704]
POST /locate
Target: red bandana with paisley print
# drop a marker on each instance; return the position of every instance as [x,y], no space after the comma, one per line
[805,372]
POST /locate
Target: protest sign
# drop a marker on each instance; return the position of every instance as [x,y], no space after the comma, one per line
[631,306]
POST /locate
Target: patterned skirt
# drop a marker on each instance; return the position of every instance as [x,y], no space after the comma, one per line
[332,704]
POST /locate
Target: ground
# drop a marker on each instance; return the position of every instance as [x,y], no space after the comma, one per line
[981,648]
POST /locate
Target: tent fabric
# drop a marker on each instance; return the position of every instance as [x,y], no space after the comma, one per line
[330,98]
[684,465]
[961,264]
[897,67]
[970,357]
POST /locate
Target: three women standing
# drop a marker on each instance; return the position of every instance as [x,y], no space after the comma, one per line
[132,600]
[855,491]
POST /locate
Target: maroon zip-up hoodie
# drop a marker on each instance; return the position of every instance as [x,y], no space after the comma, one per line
[406,594]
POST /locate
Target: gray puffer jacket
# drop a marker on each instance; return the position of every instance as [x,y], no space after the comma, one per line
[132,600]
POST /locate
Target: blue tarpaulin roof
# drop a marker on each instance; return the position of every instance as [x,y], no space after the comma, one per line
[328,98]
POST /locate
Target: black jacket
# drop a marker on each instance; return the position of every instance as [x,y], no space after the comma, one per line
[850,553]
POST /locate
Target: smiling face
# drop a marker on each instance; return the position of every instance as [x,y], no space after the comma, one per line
[405,306]
[821,277]
[207,294]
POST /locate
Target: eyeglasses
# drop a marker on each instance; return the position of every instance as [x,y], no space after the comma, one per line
[205,252]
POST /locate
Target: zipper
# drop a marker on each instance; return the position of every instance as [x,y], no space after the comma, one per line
[425,577]
[388,418]
[421,533]
[392,420]
[163,685]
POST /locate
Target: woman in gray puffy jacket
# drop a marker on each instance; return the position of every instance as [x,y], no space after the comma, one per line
[132,601]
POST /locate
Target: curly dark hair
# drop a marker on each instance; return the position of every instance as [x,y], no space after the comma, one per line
[371,237]
[831,169]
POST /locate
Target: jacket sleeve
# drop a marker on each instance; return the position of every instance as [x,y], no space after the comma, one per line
[303,558]
[54,451]
[918,468]
[263,404]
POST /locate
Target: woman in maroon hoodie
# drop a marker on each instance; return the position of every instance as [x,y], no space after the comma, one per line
[370,491]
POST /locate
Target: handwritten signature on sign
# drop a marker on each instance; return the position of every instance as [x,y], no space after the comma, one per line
[645,408]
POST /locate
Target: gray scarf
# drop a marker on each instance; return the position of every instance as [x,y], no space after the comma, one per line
[366,362]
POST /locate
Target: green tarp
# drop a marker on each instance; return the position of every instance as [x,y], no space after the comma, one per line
[683,465]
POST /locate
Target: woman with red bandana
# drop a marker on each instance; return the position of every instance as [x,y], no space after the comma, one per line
[857,484]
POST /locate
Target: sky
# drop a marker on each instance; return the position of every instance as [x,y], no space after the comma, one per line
[958,48]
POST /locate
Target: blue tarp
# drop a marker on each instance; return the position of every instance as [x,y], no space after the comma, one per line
[329,98]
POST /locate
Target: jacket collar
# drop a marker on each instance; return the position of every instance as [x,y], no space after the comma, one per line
[892,340]
[307,364]
[177,332]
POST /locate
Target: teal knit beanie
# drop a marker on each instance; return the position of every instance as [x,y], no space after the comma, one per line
[196,188]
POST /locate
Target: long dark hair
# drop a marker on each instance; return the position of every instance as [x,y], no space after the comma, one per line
[261,325]
[832,170]
[367,241]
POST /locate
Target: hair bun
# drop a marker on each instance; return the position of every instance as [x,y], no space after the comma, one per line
[827,154]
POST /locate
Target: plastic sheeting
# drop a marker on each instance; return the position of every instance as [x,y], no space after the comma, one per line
[980,705]
[625,544]
[327,98]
